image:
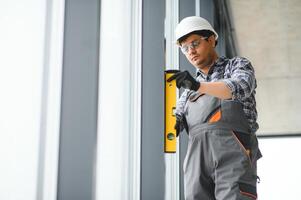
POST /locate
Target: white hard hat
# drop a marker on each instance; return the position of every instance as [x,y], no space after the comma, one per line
[191,24]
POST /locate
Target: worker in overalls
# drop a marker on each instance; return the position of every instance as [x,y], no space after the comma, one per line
[218,110]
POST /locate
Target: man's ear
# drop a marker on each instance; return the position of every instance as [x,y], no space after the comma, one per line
[211,40]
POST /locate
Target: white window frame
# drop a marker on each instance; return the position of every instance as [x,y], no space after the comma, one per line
[51,101]
[172,161]
[119,101]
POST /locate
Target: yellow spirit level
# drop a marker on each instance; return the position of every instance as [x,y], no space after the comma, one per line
[170,93]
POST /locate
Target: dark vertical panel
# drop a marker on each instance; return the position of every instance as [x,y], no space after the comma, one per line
[225,27]
[79,100]
[210,10]
[220,29]
[207,10]
[186,8]
[152,166]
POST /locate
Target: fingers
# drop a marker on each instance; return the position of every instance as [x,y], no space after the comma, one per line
[173,77]
[177,127]
[180,81]
[178,75]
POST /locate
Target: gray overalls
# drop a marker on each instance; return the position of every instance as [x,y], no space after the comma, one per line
[220,163]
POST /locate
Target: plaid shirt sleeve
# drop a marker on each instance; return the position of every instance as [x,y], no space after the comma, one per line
[182,102]
[242,80]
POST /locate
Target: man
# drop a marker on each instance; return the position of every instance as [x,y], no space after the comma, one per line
[218,109]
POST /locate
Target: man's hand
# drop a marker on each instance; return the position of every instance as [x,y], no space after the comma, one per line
[180,124]
[185,80]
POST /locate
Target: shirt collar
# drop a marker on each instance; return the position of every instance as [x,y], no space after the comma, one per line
[218,63]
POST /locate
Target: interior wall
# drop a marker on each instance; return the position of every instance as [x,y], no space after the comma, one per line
[269,34]
[186,9]
[79,101]
[152,129]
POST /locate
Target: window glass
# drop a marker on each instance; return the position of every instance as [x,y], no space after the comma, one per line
[21,69]
[279,168]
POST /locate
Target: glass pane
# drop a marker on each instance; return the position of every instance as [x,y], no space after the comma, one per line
[21,64]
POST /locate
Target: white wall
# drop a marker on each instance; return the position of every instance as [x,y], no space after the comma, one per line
[269,34]
[21,68]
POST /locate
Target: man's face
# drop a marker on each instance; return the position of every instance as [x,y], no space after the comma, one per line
[198,50]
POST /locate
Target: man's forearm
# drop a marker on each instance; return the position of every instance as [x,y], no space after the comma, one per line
[217,89]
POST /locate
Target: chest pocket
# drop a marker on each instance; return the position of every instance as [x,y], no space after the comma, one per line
[202,109]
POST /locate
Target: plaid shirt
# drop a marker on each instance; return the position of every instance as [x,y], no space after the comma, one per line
[238,74]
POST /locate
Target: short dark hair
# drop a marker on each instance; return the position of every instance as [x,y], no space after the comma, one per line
[203,33]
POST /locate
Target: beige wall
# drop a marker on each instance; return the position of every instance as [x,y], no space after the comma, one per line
[268,32]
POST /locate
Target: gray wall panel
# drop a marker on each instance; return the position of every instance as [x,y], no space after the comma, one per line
[187,8]
[79,100]
[152,156]
[207,10]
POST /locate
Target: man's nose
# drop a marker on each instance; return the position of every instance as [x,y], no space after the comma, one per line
[191,51]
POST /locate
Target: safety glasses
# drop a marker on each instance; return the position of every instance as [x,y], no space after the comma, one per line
[193,45]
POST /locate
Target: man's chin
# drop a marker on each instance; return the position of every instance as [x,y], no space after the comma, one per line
[198,64]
